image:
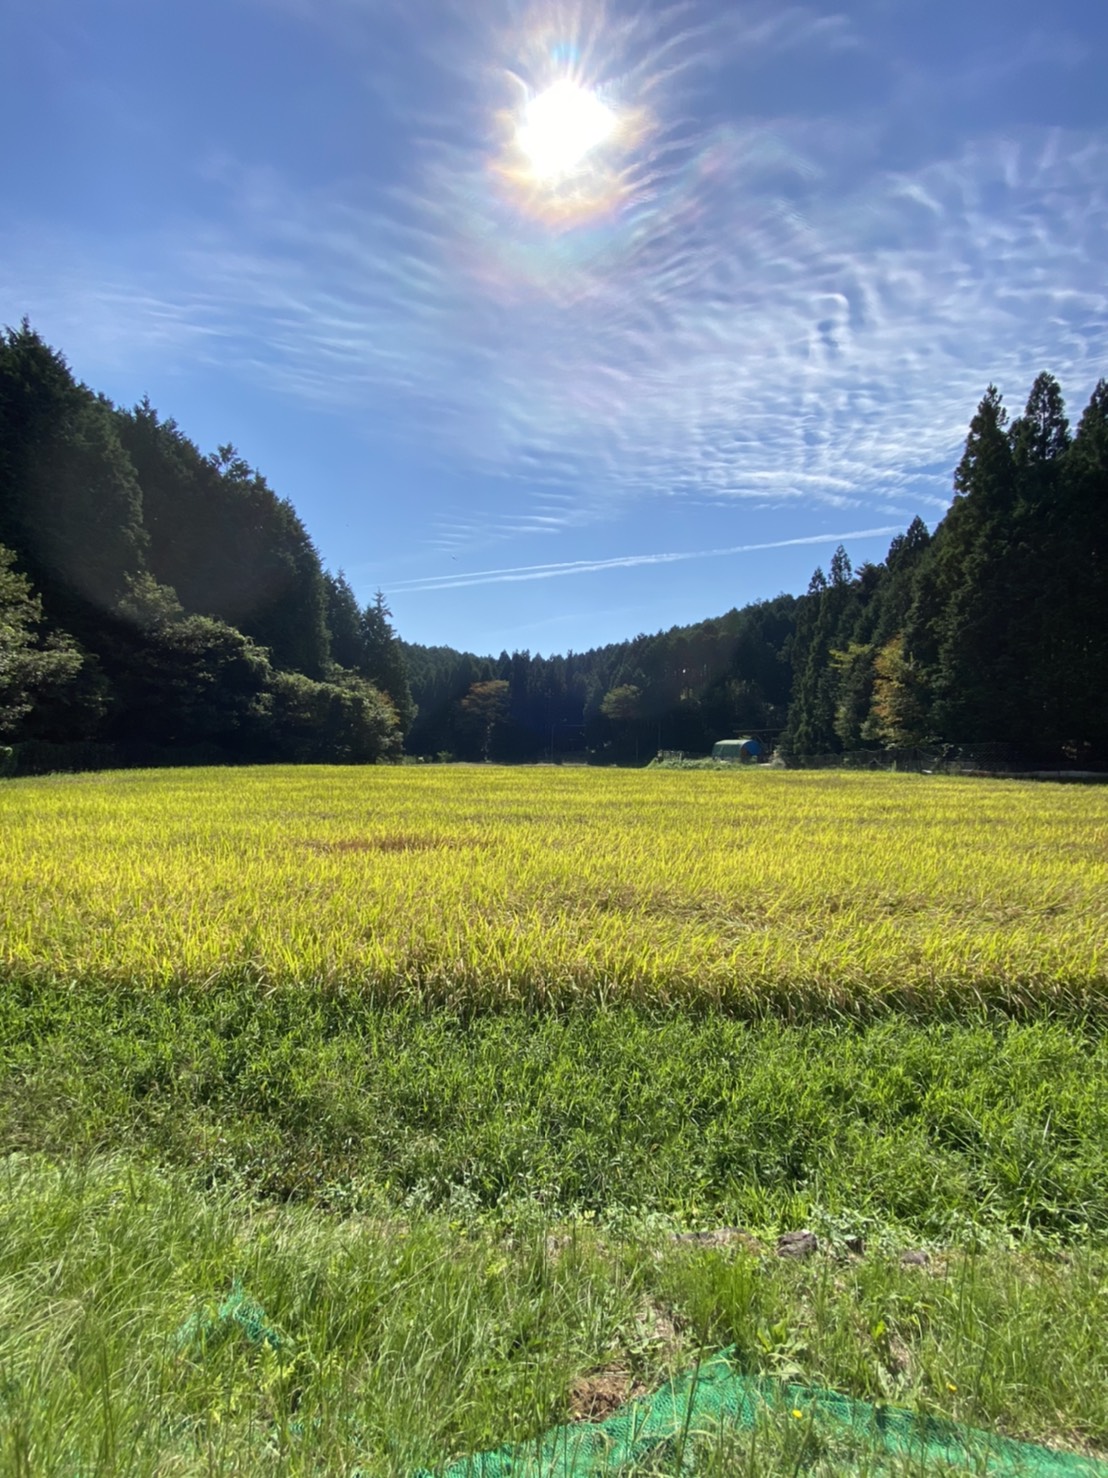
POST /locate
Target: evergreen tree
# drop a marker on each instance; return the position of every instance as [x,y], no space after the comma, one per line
[1040,440]
[70,505]
[344,623]
[824,624]
[227,544]
[1040,437]
[840,567]
[896,591]
[980,677]
[854,686]
[383,662]
[1078,557]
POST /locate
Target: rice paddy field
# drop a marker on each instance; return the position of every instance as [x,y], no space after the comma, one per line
[478,888]
[472,1077]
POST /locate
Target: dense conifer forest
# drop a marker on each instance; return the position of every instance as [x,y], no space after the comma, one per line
[989,634]
[162,606]
[159,605]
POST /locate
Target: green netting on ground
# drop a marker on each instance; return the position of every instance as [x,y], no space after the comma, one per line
[237,1311]
[681,1427]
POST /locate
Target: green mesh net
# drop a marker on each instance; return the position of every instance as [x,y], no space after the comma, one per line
[680,1428]
[237,1312]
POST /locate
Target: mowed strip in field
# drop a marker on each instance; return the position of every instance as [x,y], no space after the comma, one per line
[480,887]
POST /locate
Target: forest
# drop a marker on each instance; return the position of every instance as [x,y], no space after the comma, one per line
[159,605]
[991,633]
[162,606]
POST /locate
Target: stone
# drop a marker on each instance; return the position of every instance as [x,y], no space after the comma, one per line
[797,1244]
[914,1258]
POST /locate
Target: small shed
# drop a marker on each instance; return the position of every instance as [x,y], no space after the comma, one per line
[739,751]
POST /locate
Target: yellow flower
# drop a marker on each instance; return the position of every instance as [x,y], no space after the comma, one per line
[798,1414]
[951,1386]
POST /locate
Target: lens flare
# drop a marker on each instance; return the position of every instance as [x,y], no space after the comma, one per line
[561,127]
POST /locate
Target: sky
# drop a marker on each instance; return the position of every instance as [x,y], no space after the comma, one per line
[560,322]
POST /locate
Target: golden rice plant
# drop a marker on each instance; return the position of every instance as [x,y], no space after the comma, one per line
[482,886]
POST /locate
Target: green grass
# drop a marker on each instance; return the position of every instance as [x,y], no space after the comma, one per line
[438,1062]
[406,1342]
[931,1128]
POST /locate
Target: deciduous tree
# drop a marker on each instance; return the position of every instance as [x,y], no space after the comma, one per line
[483,707]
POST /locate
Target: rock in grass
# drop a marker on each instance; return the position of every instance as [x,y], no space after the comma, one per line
[797,1244]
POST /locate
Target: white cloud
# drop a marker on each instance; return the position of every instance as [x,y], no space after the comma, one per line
[762,313]
[556,571]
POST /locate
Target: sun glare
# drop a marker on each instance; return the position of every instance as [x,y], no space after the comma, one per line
[561,127]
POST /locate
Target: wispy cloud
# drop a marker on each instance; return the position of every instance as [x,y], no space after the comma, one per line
[623,562]
[726,343]
[761,312]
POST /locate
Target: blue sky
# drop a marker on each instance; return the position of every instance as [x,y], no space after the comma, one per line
[550,411]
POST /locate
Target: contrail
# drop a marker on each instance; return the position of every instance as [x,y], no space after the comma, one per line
[623,561]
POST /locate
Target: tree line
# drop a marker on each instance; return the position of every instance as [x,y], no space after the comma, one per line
[990,632]
[993,631]
[158,604]
[679,689]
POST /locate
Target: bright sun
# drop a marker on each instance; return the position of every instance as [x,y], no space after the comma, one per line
[561,126]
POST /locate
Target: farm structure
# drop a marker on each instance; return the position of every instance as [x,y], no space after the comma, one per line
[740,751]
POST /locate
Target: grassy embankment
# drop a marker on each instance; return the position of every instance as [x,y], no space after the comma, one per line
[365,1037]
